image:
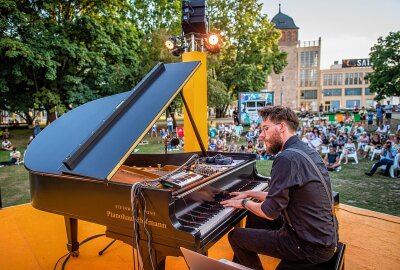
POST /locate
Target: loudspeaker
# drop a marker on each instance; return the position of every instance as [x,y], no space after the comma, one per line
[194,17]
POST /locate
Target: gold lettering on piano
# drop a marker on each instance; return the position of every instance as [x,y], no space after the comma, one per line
[123,207]
[148,222]
[128,208]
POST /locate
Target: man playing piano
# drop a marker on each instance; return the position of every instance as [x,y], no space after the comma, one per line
[294,221]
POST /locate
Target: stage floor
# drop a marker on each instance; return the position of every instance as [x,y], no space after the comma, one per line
[33,239]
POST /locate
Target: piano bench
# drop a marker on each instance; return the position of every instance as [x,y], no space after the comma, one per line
[335,263]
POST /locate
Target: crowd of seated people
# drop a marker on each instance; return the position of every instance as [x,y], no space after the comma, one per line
[229,137]
[336,142]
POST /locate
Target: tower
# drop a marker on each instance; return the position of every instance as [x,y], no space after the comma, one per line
[284,84]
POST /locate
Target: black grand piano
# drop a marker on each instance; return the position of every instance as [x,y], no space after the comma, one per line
[82,167]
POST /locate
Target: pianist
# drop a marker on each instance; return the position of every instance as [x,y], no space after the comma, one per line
[294,220]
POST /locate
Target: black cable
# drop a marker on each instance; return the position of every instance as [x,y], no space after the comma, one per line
[69,253]
[55,266]
[65,262]
[368,216]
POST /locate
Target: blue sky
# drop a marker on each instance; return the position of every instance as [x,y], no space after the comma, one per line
[348,28]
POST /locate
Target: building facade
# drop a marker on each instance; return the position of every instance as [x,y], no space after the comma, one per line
[303,85]
[346,87]
[308,86]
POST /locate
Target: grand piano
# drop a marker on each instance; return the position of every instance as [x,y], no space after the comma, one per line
[82,167]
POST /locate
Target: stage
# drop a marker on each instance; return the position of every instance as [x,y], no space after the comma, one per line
[32,239]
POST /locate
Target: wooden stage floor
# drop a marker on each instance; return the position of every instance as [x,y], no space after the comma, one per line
[33,239]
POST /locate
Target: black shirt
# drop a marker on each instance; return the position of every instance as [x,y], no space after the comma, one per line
[295,186]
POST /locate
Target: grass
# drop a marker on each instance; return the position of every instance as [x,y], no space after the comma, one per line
[14,182]
[378,193]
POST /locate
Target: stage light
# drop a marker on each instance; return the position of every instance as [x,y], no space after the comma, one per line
[170,43]
[213,39]
[212,42]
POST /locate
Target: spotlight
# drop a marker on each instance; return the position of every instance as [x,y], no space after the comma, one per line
[170,43]
[213,39]
[212,42]
[174,45]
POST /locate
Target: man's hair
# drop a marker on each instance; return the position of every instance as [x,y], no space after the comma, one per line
[279,114]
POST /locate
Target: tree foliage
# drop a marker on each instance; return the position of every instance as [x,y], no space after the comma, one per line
[218,97]
[250,45]
[66,52]
[55,54]
[385,58]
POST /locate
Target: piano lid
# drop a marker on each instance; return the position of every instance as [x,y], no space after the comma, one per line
[94,138]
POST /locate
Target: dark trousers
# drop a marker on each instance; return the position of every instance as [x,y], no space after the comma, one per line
[275,239]
[381,162]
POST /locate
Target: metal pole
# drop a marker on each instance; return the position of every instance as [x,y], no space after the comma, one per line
[193,43]
[1,204]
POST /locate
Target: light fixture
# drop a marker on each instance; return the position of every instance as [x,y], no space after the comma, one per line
[212,42]
[170,43]
[174,45]
[213,39]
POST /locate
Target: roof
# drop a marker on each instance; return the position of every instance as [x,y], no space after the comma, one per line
[283,21]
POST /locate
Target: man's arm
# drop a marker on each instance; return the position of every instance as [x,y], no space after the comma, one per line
[258,195]
[253,207]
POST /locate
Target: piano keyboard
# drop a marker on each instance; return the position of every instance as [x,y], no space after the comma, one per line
[207,215]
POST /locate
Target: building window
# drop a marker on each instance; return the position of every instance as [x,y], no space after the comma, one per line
[340,79]
[356,78]
[352,103]
[332,92]
[335,105]
[366,81]
[309,94]
[368,92]
[352,91]
[325,82]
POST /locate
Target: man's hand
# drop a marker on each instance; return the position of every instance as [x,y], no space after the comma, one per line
[233,203]
[239,195]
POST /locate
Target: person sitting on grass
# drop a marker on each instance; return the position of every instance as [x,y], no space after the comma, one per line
[232,148]
[348,148]
[5,134]
[387,158]
[261,149]
[15,157]
[250,147]
[363,141]
[212,146]
[6,145]
[375,143]
[332,160]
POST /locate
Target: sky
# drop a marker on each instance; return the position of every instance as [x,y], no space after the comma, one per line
[348,28]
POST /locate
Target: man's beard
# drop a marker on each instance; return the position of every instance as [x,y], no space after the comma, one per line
[275,144]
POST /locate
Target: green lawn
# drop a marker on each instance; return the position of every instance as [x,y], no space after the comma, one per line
[14,182]
[378,193]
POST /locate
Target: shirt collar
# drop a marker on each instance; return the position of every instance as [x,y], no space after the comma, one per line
[290,141]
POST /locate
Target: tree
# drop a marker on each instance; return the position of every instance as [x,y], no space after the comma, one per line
[385,58]
[250,45]
[218,97]
[64,53]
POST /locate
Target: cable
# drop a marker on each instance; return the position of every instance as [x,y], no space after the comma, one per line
[368,216]
[55,266]
[69,253]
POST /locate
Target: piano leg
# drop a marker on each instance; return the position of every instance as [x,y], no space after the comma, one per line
[71,225]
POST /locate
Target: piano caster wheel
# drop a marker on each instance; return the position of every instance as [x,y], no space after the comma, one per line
[74,253]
